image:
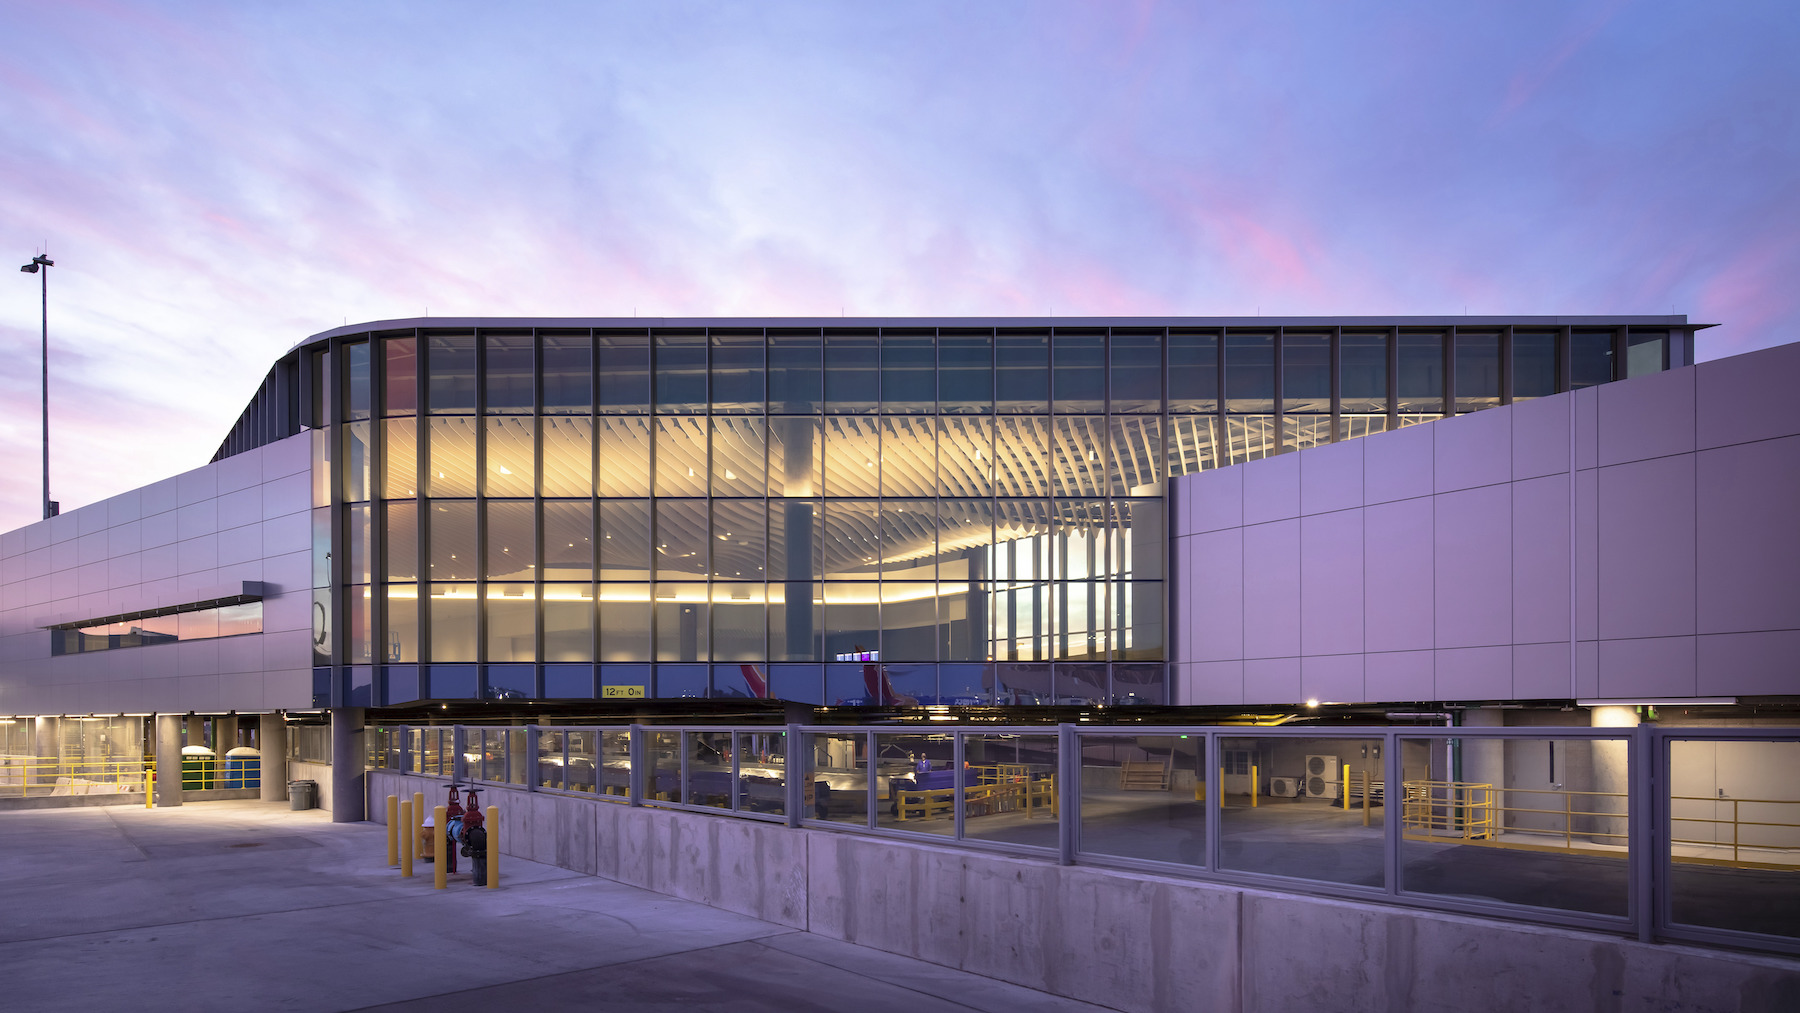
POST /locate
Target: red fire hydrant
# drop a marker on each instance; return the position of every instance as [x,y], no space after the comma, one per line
[474,837]
[453,814]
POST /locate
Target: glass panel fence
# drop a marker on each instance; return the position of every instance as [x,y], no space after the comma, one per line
[1144,797]
[662,757]
[415,738]
[915,783]
[1310,808]
[614,775]
[709,779]
[1734,835]
[837,777]
[1535,821]
[551,772]
[493,754]
[1008,791]
[762,771]
[578,769]
[517,744]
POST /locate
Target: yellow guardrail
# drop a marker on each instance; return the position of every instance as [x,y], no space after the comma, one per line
[998,788]
[1777,838]
[34,777]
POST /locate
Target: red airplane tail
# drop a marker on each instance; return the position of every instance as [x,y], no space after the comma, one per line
[759,686]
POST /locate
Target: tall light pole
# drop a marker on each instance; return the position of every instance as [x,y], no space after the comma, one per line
[38,267]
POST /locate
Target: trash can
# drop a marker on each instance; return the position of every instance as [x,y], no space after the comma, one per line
[198,767]
[243,768]
[303,795]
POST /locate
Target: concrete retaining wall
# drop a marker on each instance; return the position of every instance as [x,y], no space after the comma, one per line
[298,770]
[1126,940]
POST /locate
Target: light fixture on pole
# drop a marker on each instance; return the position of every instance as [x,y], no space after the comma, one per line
[37,267]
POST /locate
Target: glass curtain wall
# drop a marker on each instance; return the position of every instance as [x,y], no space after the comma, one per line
[848,516]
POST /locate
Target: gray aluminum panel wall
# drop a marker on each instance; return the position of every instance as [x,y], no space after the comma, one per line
[1658,518]
[245,518]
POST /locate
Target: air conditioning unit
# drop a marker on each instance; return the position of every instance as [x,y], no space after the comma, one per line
[1323,777]
[1284,787]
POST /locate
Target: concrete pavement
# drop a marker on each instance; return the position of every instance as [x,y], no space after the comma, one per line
[247,905]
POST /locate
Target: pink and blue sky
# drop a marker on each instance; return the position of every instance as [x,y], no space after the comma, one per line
[218,180]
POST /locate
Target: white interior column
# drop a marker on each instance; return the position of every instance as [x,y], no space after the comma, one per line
[1612,765]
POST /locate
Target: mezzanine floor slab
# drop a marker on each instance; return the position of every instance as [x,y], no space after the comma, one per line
[247,905]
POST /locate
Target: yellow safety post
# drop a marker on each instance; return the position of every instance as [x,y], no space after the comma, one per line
[1253,786]
[1346,787]
[438,818]
[493,861]
[393,831]
[149,776]
[406,846]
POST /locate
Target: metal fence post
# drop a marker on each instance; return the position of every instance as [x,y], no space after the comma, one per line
[531,755]
[1068,789]
[794,767]
[961,775]
[1211,759]
[636,772]
[1392,771]
[1645,799]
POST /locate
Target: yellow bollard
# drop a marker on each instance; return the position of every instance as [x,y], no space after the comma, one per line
[406,846]
[438,818]
[1346,787]
[393,831]
[493,834]
[1254,792]
[149,776]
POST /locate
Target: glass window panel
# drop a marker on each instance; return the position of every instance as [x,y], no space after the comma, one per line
[624,539]
[236,620]
[708,781]
[1079,384]
[1136,464]
[401,642]
[852,619]
[1477,371]
[1540,822]
[1421,387]
[1306,372]
[356,380]
[359,533]
[1533,364]
[1247,438]
[402,387]
[1193,371]
[508,372]
[681,551]
[681,624]
[321,467]
[681,372]
[1080,466]
[568,540]
[1081,620]
[1352,426]
[321,547]
[1135,379]
[568,622]
[737,371]
[965,685]
[1304,431]
[1022,371]
[737,546]
[852,543]
[794,632]
[915,773]
[848,684]
[571,682]
[837,778]
[681,456]
[796,457]
[1362,372]
[965,371]
[1734,824]
[681,681]
[1645,352]
[1022,463]
[737,456]
[453,622]
[624,456]
[1009,790]
[852,450]
[1078,551]
[762,771]
[1142,797]
[511,622]
[453,540]
[511,456]
[908,371]
[203,624]
[550,761]
[450,364]
[852,377]
[624,371]
[965,458]
[568,456]
[1274,828]
[400,466]
[625,622]
[737,622]
[1137,620]
[1249,372]
[511,540]
[908,539]
[908,456]
[620,682]
[1081,685]
[796,371]
[452,469]
[357,460]
[799,683]
[1140,685]
[1194,444]
[568,367]
[1590,355]
[909,620]
[796,540]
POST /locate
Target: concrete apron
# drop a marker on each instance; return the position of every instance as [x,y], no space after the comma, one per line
[1127,940]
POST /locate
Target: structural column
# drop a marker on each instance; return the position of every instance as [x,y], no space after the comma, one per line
[1612,767]
[347,801]
[1484,760]
[272,739]
[168,759]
